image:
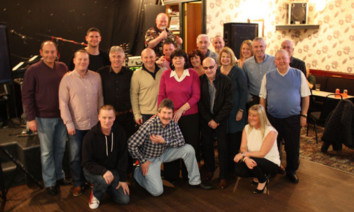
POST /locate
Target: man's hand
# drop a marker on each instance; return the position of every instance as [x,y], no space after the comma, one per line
[145,167]
[71,131]
[139,121]
[124,186]
[239,115]
[303,121]
[32,125]
[212,124]
[157,139]
[108,177]
[163,35]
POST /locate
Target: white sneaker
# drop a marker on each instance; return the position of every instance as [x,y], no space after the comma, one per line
[94,202]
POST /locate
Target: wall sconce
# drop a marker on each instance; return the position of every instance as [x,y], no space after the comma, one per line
[319,5]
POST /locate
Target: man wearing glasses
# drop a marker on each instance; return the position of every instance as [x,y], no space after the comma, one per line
[214,105]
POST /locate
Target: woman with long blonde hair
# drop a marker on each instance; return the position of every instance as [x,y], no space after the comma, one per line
[259,156]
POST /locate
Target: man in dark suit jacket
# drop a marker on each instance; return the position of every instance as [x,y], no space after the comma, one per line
[215,104]
[288,46]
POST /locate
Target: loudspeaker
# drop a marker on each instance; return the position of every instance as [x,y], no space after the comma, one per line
[4,56]
[298,13]
[236,33]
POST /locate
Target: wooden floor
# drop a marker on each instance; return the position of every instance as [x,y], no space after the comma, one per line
[321,188]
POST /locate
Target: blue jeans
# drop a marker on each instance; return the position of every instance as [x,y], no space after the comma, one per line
[52,138]
[100,187]
[75,146]
[152,181]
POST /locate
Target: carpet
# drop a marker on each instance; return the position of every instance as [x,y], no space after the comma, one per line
[309,150]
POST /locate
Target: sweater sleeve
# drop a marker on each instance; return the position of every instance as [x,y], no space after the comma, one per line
[242,85]
[162,89]
[134,95]
[28,94]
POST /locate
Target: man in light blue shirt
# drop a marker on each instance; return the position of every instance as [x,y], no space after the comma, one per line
[256,67]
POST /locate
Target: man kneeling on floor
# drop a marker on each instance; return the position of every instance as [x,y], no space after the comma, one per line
[157,141]
[105,159]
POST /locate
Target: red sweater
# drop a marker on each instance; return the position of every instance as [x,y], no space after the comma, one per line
[187,90]
[40,90]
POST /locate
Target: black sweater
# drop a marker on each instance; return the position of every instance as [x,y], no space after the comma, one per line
[98,156]
[223,98]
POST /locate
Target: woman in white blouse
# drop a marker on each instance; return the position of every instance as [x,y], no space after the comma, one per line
[259,155]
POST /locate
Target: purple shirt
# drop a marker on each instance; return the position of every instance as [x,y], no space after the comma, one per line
[188,90]
[40,90]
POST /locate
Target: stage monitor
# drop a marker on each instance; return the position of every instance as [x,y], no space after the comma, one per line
[4,56]
[235,33]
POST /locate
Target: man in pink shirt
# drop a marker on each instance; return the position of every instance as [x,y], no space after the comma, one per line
[80,97]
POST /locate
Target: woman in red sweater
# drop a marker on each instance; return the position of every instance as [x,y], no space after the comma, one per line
[182,86]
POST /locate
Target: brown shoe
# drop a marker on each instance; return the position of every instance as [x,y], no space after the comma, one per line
[77,191]
[222,184]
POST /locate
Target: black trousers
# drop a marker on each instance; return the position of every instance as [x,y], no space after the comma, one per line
[234,143]
[189,126]
[208,136]
[264,167]
[289,129]
[126,121]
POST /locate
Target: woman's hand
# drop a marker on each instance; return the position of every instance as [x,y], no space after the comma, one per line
[238,157]
[239,115]
[177,115]
[250,163]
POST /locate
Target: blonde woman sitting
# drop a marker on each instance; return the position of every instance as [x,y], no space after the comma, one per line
[259,155]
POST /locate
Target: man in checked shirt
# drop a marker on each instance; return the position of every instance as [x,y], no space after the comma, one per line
[157,141]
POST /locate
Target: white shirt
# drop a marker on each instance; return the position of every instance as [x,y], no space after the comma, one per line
[255,141]
[184,75]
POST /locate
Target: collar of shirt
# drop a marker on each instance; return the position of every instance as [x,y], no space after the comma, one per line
[184,75]
[76,73]
[120,72]
[155,71]
[264,60]
[281,74]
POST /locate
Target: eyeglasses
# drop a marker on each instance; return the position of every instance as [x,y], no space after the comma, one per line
[206,68]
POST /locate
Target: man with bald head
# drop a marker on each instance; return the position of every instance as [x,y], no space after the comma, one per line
[203,44]
[144,87]
[256,67]
[288,46]
[214,106]
[218,43]
[285,94]
[40,102]
[155,36]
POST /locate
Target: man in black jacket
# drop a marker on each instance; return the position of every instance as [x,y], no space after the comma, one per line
[214,105]
[105,159]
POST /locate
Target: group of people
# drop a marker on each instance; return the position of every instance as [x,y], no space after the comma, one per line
[169,111]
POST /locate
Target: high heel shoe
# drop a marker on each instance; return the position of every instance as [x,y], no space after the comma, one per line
[264,190]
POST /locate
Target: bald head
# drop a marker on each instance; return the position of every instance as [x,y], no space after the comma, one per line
[161,21]
[282,60]
[209,66]
[288,46]
[148,57]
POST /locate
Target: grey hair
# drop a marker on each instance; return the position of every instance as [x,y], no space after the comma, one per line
[115,49]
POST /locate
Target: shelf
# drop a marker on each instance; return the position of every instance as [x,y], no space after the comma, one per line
[297,26]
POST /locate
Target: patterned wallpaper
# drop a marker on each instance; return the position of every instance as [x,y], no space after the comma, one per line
[329,48]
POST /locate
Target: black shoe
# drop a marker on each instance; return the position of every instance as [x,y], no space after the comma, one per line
[292,178]
[264,190]
[52,190]
[63,182]
[204,186]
